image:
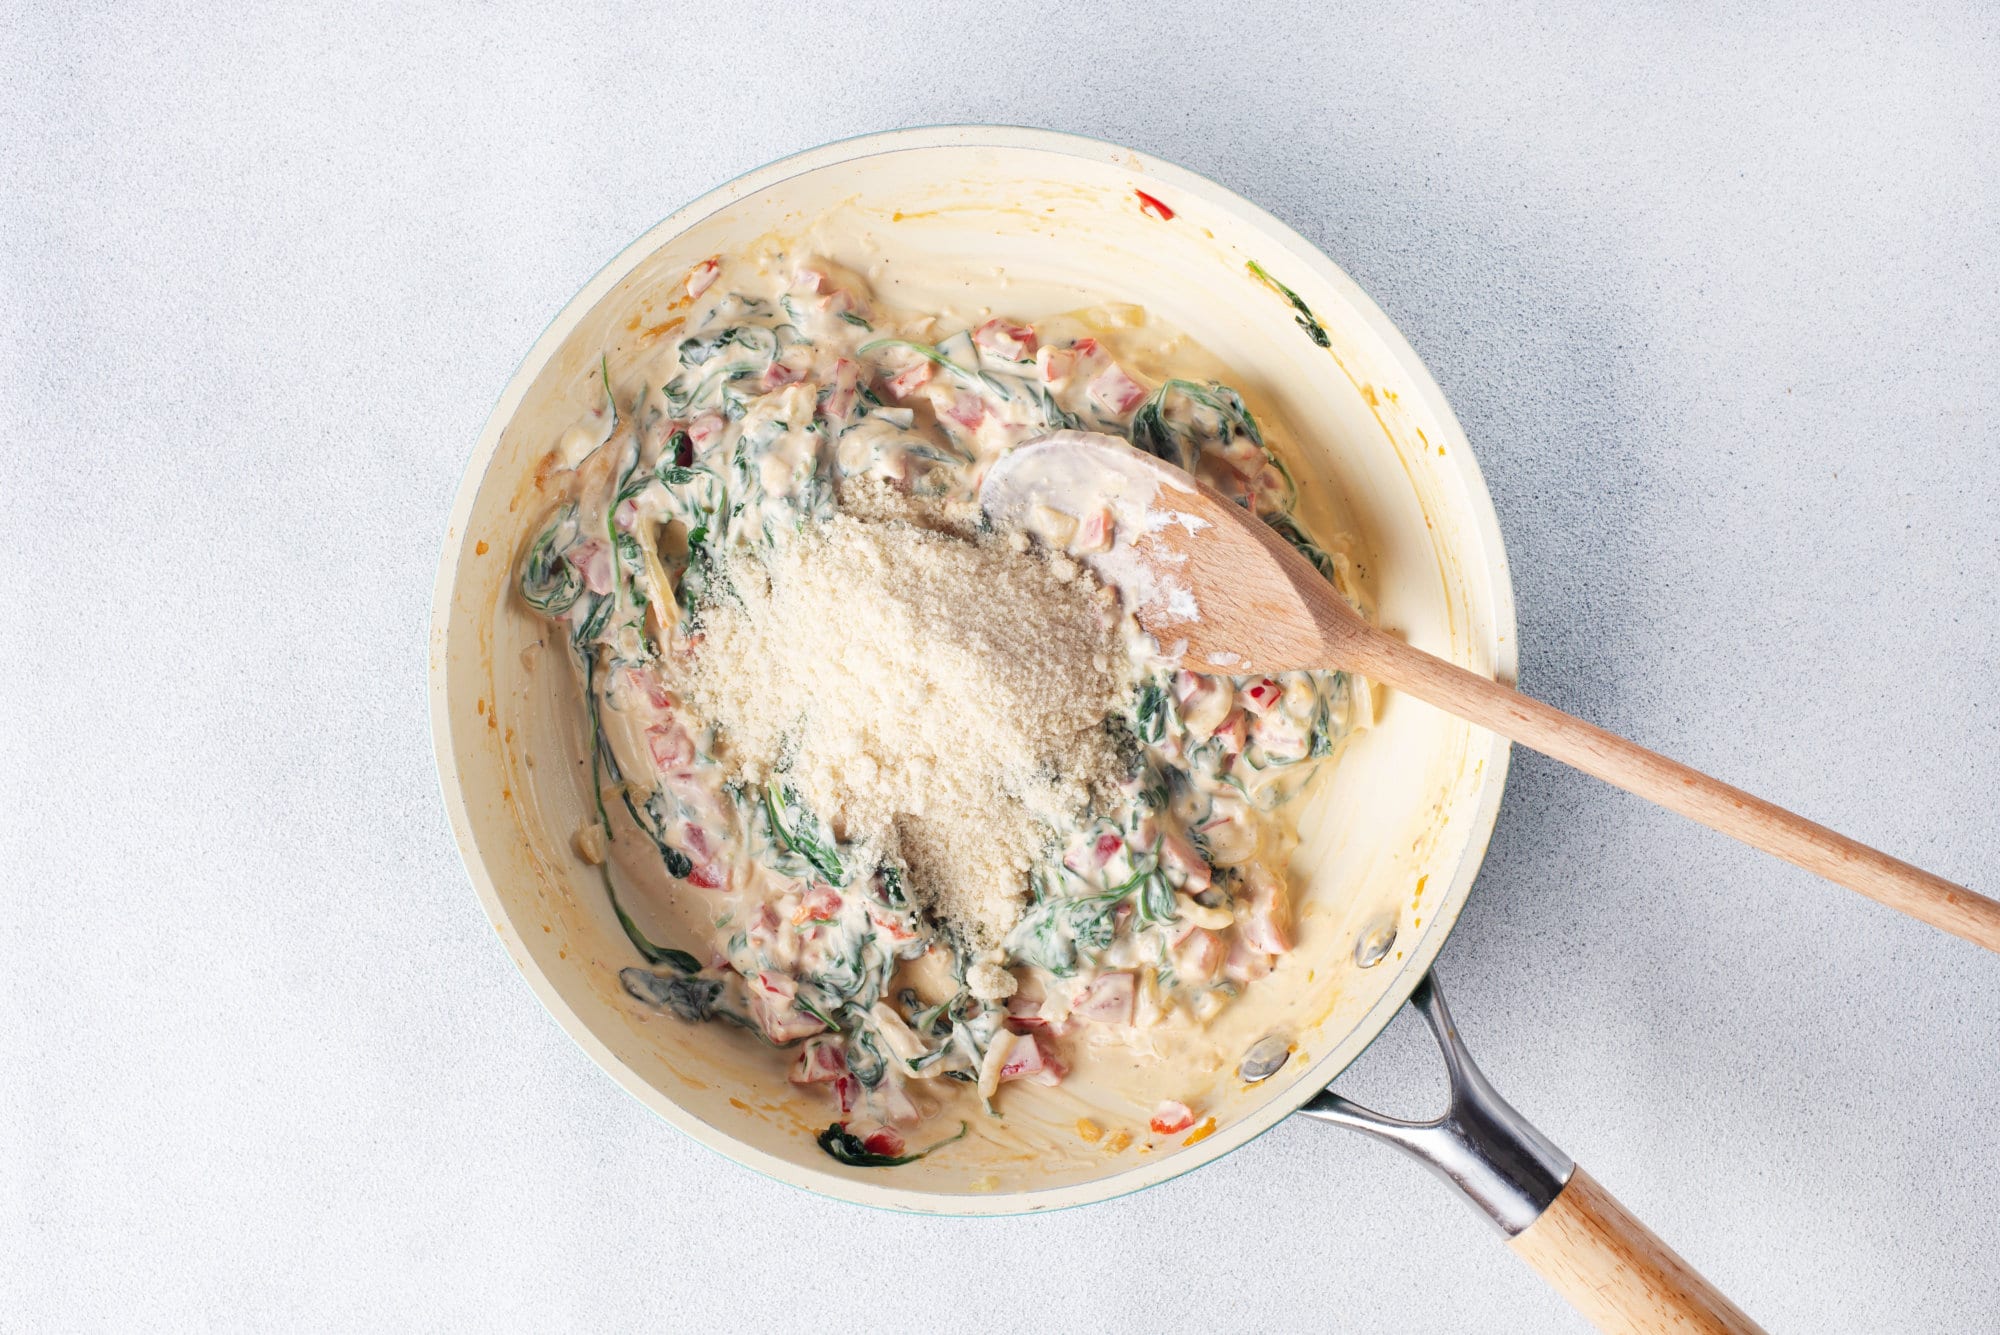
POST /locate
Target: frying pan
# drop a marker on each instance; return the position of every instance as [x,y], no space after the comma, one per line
[1391,837]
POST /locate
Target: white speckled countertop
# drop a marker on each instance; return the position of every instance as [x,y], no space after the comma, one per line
[1715,299]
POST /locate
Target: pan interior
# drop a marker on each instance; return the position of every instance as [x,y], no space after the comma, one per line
[1027,223]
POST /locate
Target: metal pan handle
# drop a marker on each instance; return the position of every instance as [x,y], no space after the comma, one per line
[1611,1268]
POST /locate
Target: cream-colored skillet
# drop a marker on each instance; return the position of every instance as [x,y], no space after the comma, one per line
[1391,839]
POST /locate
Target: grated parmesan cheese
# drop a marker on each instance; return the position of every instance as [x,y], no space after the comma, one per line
[936,696]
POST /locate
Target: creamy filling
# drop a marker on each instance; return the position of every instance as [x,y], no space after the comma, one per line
[902,969]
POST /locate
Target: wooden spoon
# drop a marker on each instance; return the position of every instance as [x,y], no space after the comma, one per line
[1202,572]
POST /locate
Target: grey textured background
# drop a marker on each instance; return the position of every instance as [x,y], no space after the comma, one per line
[1714,292]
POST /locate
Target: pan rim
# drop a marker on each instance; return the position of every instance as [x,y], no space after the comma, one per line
[1484,525]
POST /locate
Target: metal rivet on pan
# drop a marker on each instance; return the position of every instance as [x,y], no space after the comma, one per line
[1264,1058]
[1374,943]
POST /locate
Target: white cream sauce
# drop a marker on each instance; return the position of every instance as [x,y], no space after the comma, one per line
[788,382]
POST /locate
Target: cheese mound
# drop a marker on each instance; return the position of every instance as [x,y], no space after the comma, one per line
[935,696]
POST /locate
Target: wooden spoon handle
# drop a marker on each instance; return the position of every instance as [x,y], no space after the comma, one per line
[1617,1273]
[1760,824]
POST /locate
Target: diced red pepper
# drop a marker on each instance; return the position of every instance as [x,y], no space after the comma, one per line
[705,430]
[1153,208]
[778,374]
[1262,931]
[820,904]
[649,686]
[1005,341]
[967,409]
[772,1003]
[702,276]
[1055,364]
[909,380]
[1266,926]
[1245,963]
[885,1142]
[707,875]
[1260,695]
[1094,854]
[1116,391]
[1097,532]
[1200,955]
[840,399]
[1025,1013]
[670,745]
[1109,1000]
[592,560]
[1027,1059]
[1024,1057]
[893,927]
[820,1060]
[1172,1116]
[1179,855]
